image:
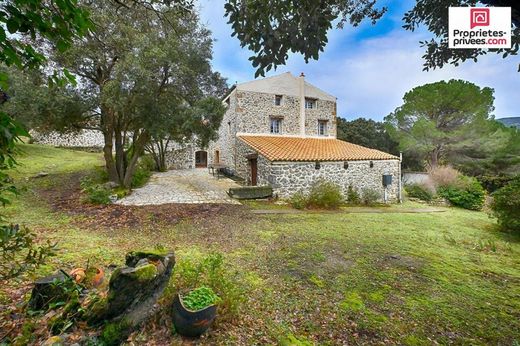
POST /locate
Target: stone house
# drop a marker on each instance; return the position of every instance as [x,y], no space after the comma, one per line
[281,131]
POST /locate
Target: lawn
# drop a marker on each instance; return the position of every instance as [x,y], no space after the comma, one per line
[310,278]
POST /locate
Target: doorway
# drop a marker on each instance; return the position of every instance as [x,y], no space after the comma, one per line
[217,156]
[201,159]
[254,170]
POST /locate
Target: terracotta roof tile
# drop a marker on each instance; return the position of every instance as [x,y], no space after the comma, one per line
[284,148]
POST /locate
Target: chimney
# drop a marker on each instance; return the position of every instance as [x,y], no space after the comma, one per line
[302,104]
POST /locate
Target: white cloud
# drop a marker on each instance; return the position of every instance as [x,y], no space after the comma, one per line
[370,76]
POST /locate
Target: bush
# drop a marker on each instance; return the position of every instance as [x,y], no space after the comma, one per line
[298,200]
[444,176]
[420,191]
[95,193]
[466,193]
[353,196]
[506,206]
[19,252]
[195,270]
[143,171]
[494,182]
[325,194]
[370,196]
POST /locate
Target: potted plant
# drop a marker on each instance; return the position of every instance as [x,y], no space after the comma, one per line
[195,311]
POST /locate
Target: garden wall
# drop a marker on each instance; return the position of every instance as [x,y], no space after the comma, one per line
[81,139]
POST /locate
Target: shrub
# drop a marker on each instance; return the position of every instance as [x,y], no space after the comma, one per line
[298,200]
[443,176]
[325,194]
[19,253]
[195,270]
[494,182]
[143,172]
[420,191]
[200,298]
[466,193]
[353,196]
[95,193]
[506,206]
[370,196]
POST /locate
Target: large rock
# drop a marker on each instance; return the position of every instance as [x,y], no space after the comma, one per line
[48,290]
[135,288]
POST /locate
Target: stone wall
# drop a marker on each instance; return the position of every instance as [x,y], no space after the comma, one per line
[180,158]
[250,112]
[254,111]
[287,178]
[81,139]
[326,110]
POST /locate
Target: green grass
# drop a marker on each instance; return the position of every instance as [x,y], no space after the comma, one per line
[322,278]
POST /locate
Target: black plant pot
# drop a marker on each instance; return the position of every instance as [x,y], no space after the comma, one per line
[192,323]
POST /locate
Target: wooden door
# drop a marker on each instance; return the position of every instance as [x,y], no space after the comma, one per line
[254,168]
[217,156]
[201,159]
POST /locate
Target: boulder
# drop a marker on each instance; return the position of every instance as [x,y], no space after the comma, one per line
[48,290]
[134,289]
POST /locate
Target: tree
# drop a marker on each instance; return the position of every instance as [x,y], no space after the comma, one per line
[368,133]
[135,69]
[196,124]
[373,134]
[272,29]
[442,119]
[434,15]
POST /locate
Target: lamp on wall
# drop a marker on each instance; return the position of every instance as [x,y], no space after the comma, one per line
[317,165]
[345,165]
[371,164]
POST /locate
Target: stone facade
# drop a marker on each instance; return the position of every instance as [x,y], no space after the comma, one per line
[250,112]
[287,178]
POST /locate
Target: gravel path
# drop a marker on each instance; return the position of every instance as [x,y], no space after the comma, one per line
[182,186]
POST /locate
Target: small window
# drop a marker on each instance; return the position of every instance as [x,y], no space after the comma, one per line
[322,127]
[276,125]
[310,103]
[278,100]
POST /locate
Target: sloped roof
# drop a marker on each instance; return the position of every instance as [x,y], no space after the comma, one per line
[285,148]
[284,84]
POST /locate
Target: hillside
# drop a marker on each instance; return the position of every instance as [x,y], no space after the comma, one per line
[513,121]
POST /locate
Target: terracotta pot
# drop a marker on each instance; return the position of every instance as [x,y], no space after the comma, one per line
[192,323]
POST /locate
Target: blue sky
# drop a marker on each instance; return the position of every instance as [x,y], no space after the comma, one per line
[368,68]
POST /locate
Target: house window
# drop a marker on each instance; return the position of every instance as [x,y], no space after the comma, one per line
[278,100]
[322,127]
[310,103]
[276,125]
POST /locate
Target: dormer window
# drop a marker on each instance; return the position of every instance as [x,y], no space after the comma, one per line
[278,100]
[322,127]
[310,103]
[276,125]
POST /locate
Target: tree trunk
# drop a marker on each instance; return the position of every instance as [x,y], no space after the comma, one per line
[107,126]
[137,150]
[435,157]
